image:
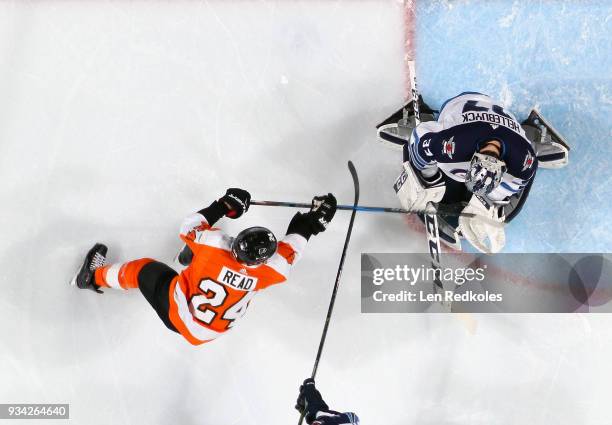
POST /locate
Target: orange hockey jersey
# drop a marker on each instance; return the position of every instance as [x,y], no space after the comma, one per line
[214,291]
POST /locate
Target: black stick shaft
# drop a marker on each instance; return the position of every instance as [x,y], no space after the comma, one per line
[340,268]
[332,301]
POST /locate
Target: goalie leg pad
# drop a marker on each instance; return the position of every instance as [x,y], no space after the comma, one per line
[413,194]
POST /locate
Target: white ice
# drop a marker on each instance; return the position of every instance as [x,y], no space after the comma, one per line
[117,119]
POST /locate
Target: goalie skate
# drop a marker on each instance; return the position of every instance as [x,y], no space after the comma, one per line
[551,148]
[395,130]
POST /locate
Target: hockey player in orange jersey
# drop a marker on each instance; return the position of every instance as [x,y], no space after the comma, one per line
[222,273]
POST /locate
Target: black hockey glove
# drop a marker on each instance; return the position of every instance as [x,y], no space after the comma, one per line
[316,220]
[310,401]
[322,211]
[237,202]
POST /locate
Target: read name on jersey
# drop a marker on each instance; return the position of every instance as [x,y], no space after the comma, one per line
[236,280]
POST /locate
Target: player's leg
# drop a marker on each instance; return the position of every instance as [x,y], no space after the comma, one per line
[154,282]
[456,195]
[456,192]
[122,276]
[85,276]
[151,277]
[514,207]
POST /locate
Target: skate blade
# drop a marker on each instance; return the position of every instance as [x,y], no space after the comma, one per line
[390,140]
[74,279]
[536,115]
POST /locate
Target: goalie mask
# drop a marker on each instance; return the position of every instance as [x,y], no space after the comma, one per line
[254,246]
[485,174]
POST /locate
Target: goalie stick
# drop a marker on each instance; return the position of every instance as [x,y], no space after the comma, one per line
[431,219]
[441,210]
[332,301]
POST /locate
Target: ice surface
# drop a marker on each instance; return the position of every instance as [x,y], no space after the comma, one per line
[117,119]
[555,55]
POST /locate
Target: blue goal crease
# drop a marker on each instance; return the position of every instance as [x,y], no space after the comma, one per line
[554,55]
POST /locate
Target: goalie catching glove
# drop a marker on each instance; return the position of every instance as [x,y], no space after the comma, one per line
[488,223]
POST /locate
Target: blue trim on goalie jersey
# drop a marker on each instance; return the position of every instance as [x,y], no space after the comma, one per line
[459,95]
[509,188]
[417,160]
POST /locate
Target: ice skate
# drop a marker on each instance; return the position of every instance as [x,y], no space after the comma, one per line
[95,258]
[551,148]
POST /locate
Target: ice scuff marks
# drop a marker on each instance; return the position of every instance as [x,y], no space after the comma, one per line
[508,20]
[526,53]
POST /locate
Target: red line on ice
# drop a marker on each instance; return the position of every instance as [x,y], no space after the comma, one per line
[409,41]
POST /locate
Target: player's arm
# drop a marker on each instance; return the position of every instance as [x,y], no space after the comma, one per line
[509,187]
[315,221]
[310,403]
[233,204]
[485,228]
[419,153]
[301,228]
[522,166]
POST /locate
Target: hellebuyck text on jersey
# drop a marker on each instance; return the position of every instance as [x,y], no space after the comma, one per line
[492,119]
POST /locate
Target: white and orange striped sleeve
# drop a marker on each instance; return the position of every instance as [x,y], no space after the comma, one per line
[193,222]
[288,253]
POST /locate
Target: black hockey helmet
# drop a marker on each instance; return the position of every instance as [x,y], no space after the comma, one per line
[254,246]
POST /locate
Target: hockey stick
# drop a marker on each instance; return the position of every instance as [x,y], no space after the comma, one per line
[442,210]
[332,301]
[431,220]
